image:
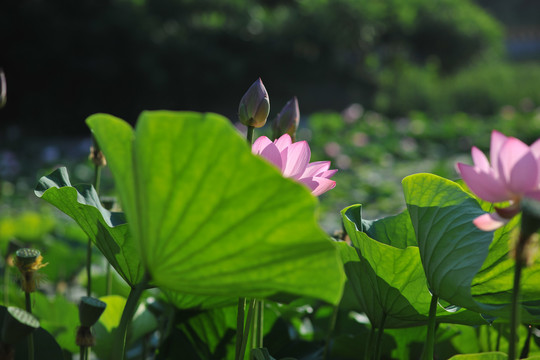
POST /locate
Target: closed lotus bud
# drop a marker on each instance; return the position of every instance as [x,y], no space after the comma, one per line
[288,119]
[254,106]
[3,89]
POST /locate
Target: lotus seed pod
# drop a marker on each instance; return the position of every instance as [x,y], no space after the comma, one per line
[17,325]
[26,256]
[90,309]
[28,261]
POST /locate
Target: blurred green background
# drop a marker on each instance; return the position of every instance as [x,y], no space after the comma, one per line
[66,60]
[386,88]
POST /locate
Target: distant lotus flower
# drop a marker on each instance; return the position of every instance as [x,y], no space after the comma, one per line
[514,174]
[293,161]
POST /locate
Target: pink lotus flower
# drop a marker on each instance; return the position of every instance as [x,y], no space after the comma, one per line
[514,173]
[293,161]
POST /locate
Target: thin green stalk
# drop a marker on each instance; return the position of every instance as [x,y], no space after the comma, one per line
[254,330]
[250,131]
[240,326]
[527,345]
[249,320]
[144,352]
[258,331]
[84,352]
[369,345]
[97,177]
[489,332]
[119,346]
[429,345]
[6,287]
[499,331]
[242,332]
[514,315]
[28,306]
[330,331]
[89,268]
[108,277]
[380,332]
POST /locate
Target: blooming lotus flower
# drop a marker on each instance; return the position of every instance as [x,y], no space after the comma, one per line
[293,161]
[512,174]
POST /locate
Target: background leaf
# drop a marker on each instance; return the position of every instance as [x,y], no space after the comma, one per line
[390,279]
[107,230]
[458,257]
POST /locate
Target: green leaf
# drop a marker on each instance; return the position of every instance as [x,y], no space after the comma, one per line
[105,328]
[190,301]
[481,356]
[387,276]
[107,230]
[45,345]
[59,317]
[209,217]
[212,332]
[464,265]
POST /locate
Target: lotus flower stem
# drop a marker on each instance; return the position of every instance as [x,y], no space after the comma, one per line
[28,306]
[514,315]
[499,331]
[97,158]
[89,268]
[429,345]
[119,346]
[250,131]
[367,350]
[240,326]
[249,320]
[527,345]
[5,286]
[258,325]
[330,331]
[380,332]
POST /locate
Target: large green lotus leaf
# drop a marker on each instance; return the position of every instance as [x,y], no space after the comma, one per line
[107,230]
[481,356]
[190,301]
[209,217]
[387,276]
[464,265]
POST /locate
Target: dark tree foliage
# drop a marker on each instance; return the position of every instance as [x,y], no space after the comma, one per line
[65,60]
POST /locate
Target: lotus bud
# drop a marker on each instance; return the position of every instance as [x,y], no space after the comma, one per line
[254,106]
[288,119]
[3,89]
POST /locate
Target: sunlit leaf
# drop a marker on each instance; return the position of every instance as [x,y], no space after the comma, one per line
[209,217]
[481,356]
